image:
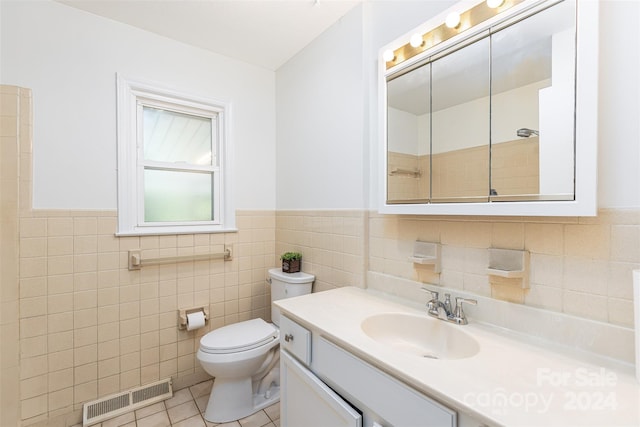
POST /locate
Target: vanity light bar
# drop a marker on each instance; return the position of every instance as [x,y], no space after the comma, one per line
[467,19]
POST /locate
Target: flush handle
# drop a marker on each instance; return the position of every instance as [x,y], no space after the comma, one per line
[288,337]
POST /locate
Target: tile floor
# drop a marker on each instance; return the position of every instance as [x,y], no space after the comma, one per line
[186,409]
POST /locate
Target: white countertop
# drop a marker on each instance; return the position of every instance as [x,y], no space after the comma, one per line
[509,382]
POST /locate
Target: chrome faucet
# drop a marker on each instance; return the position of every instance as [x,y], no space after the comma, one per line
[443,310]
[437,308]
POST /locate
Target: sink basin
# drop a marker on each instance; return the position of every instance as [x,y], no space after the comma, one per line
[421,336]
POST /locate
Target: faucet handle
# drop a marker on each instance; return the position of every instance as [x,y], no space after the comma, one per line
[432,304]
[459,315]
[434,294]
[460,300]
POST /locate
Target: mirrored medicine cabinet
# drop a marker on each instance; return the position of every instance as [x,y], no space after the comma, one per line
[500,118]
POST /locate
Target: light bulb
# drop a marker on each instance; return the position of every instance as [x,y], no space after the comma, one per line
[495,3]
[453,20]
[388,55]
[416,40]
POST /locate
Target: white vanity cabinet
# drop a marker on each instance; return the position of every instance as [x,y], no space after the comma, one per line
[305,401]
[340,389]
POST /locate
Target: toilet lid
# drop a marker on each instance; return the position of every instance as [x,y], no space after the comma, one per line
[239,337]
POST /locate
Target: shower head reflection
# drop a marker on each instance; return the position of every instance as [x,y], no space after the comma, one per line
[526,132]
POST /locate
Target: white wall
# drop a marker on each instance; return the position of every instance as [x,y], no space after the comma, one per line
[556,109]
[70,59]
[510,111]
[321,121]
[403,130]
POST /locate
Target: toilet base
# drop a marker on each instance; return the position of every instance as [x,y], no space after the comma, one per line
[231,400]
[261,402]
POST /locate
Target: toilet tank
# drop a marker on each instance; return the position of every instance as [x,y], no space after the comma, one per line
[287,285]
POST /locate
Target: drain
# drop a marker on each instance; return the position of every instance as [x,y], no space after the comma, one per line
[430,356]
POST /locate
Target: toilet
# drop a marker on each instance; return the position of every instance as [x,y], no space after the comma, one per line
[244,357]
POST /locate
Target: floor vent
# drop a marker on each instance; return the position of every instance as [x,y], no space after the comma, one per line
[117,404]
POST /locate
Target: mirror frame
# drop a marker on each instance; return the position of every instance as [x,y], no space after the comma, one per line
[586,116]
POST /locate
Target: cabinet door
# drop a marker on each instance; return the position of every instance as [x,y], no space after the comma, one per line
[308,402]
[393,401]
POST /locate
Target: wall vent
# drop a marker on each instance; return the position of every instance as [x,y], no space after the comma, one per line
[117,404]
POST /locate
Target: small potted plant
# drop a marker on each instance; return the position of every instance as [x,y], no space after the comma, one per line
[291,262]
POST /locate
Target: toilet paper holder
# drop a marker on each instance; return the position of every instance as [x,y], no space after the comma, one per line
[182,316]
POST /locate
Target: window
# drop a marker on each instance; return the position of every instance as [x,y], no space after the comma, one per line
[173,157]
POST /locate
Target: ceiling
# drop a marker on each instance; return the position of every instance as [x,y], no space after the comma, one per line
[266,33]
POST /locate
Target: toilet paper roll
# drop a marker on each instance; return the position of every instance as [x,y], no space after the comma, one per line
[636,308]
[195,320]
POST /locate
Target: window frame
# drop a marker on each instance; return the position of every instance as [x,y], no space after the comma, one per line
[132,96]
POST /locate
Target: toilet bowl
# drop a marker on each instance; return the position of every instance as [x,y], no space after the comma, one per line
[237,356]
[244,357]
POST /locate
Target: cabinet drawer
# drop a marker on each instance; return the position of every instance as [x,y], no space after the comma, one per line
[296,340]
[394,401]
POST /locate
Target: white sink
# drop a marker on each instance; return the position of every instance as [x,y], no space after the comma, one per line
[421,336]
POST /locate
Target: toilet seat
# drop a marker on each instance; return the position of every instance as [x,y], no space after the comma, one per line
[239,337]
